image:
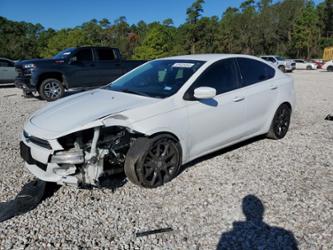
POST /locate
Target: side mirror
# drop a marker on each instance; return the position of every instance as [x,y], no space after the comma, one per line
[204,93]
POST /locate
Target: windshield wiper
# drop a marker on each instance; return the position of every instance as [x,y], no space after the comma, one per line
[133,92]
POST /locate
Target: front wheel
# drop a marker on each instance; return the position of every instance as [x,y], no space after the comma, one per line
[309,67]
[280,123]
[282,68]
[330,68]
[151,162]
[51,89]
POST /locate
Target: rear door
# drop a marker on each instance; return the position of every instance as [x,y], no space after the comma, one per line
[260,92]
[108,66]
[219,121]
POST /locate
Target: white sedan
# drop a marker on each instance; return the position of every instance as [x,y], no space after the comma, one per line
[328,66]
[154,119]
[302,64]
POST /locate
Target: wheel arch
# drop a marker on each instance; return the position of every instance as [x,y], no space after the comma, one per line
[287,103]
[173,137]
[57,75]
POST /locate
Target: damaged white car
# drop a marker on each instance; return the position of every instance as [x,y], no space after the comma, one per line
[156,118]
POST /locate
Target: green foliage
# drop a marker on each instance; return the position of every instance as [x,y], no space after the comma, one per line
[157,43]
[286,27]
[192,27]
[305,34]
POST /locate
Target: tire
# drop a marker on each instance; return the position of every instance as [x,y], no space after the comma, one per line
[282,68]
[308,67]
[280,123]
[330,68]
[151,162]
[51,89]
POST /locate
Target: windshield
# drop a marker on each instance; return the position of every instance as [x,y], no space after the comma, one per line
[280,58]
[64,54]
[160,79]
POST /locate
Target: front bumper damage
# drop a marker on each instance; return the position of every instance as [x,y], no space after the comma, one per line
[82,163]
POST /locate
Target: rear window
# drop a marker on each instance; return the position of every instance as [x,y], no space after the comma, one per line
[105,54]
[254,71]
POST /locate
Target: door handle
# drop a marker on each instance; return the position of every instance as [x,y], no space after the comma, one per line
[238,99]
[274,87]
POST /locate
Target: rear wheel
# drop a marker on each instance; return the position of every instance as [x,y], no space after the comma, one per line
[51,89]
[282,68]
[330,68]
[152,162]
[280,123]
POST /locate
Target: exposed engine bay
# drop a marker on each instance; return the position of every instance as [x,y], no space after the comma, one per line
[90,154]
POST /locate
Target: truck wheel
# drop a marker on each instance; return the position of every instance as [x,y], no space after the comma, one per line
[151,162]
[282,68]
[51,89]
[330,68]
[280,123]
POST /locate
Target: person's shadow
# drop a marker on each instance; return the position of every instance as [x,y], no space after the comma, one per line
[254,233]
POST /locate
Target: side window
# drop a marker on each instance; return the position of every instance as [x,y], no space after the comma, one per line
[105,54]
[84,55]
[221,75]
[4,63]
[253,71]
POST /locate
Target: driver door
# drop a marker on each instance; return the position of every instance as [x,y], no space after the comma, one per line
[216,122]
[82,69]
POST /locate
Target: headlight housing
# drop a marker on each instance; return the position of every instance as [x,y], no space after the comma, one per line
[29,66]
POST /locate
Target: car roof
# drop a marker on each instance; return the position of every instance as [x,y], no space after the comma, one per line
[269,56]
[4,58]
[207,57]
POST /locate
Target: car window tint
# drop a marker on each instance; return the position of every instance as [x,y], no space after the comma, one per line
[253,71]
[84,55]
[4,63]
[105,54]
[221,75]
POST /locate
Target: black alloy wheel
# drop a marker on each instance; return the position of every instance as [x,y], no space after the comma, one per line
[280,123]
[157,164]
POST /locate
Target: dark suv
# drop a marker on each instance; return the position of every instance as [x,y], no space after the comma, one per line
[72,68]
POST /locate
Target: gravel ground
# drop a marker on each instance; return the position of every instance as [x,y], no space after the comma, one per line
[291,180]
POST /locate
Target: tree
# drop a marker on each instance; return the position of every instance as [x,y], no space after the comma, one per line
[305,33]
[157,43]
[325,12]
[193,14]
[65,38]
[229,32]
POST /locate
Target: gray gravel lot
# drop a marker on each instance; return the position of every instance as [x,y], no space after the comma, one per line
[293,178]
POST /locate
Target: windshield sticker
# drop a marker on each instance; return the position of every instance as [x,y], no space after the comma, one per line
[67,53]
[183,65]
[168,88]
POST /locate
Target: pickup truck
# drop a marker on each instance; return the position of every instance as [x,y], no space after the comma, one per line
[72,68]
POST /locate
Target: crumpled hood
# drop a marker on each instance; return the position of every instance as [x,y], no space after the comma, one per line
[80,109]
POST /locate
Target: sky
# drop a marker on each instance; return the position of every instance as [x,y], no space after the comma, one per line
[59,14]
